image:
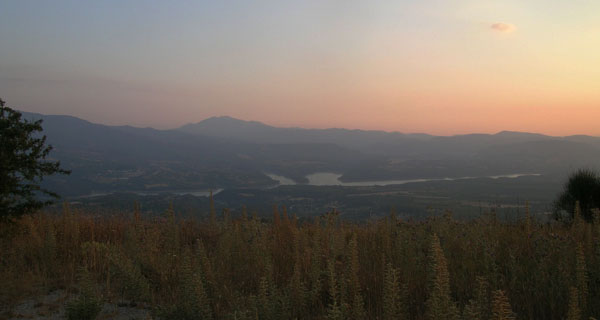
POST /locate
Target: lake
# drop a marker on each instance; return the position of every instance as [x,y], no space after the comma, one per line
[333,179]
[318,179]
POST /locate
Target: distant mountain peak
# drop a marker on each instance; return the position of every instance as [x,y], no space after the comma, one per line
[515,134]
[505,132]
[226,120]
[509,132]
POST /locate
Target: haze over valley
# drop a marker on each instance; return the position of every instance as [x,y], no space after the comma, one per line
[231,157]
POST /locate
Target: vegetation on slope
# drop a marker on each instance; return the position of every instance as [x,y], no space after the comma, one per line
[242,267]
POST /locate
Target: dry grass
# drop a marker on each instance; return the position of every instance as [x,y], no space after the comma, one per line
[245,268]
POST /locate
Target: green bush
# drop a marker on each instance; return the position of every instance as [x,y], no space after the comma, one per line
[88,305]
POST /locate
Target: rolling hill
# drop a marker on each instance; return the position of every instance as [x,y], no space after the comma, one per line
[224,152]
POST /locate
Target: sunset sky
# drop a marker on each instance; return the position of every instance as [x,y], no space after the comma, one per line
[435,66]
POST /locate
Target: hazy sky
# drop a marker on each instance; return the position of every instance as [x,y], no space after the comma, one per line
[435,66]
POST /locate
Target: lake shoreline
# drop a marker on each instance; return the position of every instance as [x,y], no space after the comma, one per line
[336,179]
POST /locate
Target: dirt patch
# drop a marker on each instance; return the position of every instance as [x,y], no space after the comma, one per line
[52,306]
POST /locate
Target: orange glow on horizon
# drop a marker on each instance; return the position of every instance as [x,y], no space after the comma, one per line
[431,66]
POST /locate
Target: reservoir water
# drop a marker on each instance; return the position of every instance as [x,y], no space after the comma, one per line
[318,179]
[333,179]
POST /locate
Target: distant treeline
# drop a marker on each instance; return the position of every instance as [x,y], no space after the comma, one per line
[245,268]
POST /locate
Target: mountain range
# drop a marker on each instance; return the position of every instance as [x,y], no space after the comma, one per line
[223,152]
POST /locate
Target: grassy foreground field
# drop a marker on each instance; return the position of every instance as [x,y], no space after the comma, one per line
[245,268]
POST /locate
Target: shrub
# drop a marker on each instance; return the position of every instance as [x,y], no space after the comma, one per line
[88,305]
[582,187]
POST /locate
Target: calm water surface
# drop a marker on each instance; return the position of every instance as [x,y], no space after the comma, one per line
[333,179]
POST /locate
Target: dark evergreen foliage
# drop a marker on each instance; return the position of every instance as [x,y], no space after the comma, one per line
[583,186]
[23,164]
